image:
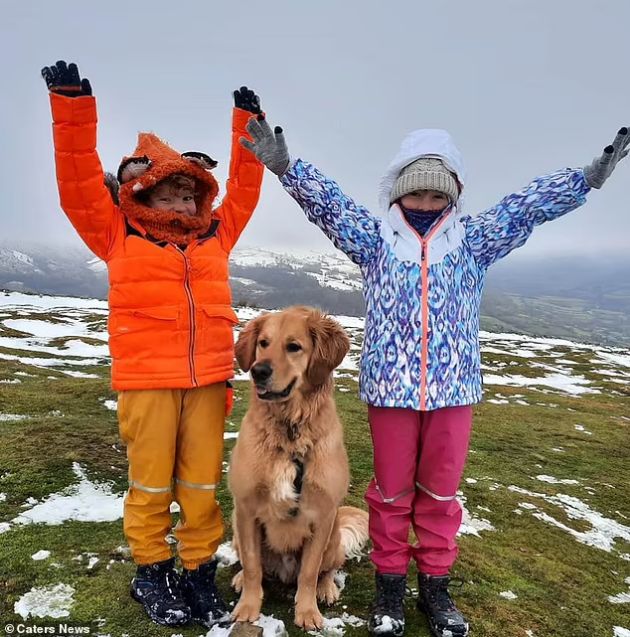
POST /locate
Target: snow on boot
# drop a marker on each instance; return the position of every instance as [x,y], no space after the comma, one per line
[435,601]
[157,587]
[201,594]
[387,617]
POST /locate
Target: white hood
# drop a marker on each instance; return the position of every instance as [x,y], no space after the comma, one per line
[425,142]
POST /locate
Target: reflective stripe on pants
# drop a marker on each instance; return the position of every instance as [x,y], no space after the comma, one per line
[174,444]
[419,459]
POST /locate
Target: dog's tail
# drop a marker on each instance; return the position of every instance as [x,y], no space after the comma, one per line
[353,526]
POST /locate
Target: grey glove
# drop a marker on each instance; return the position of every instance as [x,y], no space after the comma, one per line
[268,145]
[598,172]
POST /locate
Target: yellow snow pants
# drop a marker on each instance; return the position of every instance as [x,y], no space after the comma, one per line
[174,441]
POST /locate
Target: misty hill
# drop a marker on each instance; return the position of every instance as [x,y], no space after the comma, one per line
[578,298]
[564,297]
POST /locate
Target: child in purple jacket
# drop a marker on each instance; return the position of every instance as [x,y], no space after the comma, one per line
[423,265]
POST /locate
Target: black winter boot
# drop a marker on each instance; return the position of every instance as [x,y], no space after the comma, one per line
[387,616]
[435,601]
[201,594]
[157,587]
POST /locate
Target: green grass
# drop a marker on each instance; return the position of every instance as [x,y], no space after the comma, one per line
[561,584]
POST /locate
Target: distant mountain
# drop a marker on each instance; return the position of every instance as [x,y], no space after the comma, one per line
[262,278]
[49,270]
[564,297]
[584,299]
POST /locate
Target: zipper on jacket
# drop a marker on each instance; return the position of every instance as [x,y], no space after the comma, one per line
[424,300]
[191,314]
[424,264]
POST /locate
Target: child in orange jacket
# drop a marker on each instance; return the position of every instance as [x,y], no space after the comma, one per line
[170,331]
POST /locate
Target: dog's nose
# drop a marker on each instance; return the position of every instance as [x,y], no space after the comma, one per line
[261,372]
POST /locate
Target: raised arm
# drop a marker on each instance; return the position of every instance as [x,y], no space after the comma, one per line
[83,195]
[246,173]
[497,231]
[350,227]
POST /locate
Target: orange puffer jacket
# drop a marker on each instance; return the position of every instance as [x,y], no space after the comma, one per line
[171,320]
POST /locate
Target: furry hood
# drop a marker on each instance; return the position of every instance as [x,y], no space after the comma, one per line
[152,161]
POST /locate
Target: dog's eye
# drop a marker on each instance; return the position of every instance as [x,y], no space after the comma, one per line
[294,347]
[264,343]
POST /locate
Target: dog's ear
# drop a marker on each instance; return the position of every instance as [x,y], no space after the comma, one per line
[245,347]
[330,345]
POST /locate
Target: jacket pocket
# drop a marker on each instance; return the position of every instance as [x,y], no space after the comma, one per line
[160,313]
[136,330]
[220,312]
[123,321]
[215,329]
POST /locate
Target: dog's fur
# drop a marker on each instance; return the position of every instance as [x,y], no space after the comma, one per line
[284,529]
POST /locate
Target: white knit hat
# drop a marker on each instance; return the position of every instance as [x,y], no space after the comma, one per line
[426,173]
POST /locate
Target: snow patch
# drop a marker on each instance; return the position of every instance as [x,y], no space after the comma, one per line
[574,385]
[622,598]
[617,359]
[85,502]
[604,530]
[40,555]
[226,555]
[336,626]
[552,480]
[47,601]
[340,579]
[470,524]
[46,329]
[271,626]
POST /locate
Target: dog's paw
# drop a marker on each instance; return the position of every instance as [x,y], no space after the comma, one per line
[247,609]
[308,617]
[237,582]
[327,591]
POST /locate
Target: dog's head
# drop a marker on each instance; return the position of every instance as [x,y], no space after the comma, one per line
[285,351]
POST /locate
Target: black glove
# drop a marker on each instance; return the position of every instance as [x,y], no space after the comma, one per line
[247,100]
[65,80]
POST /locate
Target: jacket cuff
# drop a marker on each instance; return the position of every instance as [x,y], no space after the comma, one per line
[73,110]
[240,119]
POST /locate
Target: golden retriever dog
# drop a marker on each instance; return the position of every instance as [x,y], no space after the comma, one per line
[289,469]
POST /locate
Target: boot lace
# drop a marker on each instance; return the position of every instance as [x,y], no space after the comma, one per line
[169,584]
[389,596]
[441,596]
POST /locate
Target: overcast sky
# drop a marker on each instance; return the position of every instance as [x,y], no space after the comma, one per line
[524,87]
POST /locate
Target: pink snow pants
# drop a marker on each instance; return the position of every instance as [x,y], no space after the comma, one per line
[419,458]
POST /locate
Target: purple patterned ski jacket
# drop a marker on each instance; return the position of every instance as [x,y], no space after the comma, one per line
[421,344]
